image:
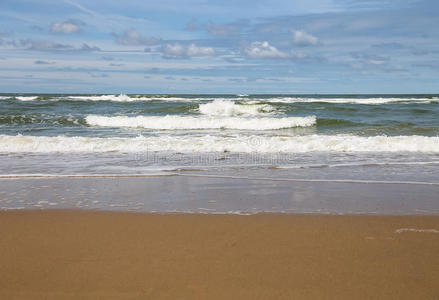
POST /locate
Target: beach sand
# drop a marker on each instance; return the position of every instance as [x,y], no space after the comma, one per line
[113,255]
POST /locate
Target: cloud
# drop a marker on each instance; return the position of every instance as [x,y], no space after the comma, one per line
[264,50]
[181,51]
[132,37]
[82,8]
[85,47]
[67,27]
[43,62]
[98,75]
[302,38]
[371,59]
[42,45]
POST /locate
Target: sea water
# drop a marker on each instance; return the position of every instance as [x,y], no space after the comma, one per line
[335,137]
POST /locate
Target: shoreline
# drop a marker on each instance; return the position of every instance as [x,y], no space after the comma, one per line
[170,174]
[216,194]
[127,255]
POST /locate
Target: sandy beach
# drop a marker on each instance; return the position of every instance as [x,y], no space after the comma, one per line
[115,255]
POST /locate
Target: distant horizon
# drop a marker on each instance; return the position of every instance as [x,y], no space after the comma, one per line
[228,94]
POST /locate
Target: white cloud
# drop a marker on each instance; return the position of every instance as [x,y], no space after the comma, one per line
[132,37]
[67,27]
[304,39]
[181,51]
[264,50]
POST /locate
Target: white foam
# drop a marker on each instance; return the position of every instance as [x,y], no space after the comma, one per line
[230,108]
[117,98]
[216,143]
[350,100]
[26,98]
[243,97]
[173,122]
[127,98]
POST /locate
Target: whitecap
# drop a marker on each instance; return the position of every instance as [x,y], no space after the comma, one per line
[174,122]
[230,108]
[26,98]
[371,100]
[217,143]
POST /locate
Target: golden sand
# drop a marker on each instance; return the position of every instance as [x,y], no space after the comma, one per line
[103,255]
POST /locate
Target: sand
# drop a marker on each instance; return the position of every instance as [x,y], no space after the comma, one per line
[106,255]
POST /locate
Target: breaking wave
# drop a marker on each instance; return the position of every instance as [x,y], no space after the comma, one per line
[211,143]
[371,100]
[116,98]
[172,122]
[244,99]
[230,108]
[26,98]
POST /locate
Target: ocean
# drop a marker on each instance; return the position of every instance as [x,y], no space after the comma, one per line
[360,139]
[134,134]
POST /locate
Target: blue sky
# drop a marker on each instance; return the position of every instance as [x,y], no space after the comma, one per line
[209,46]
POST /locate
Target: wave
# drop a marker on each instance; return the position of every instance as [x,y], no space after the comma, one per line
[172,122]
[167,98]
[116,98]
[239,97]
[130,98]
[211,143]
[26,98]
[230,108]
[351,100]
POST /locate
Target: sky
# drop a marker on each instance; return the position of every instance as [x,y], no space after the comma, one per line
[219,47]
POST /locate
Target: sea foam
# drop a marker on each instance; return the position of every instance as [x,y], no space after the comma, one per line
[244,100]
[216,143]
[230,108]
[131,98]
[117,98]
[173,122]
[26,98]
[370,100]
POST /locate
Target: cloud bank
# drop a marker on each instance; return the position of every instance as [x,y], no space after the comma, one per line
[181,51]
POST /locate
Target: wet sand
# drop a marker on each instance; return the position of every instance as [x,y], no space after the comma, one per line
[115,255]
[203,194]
